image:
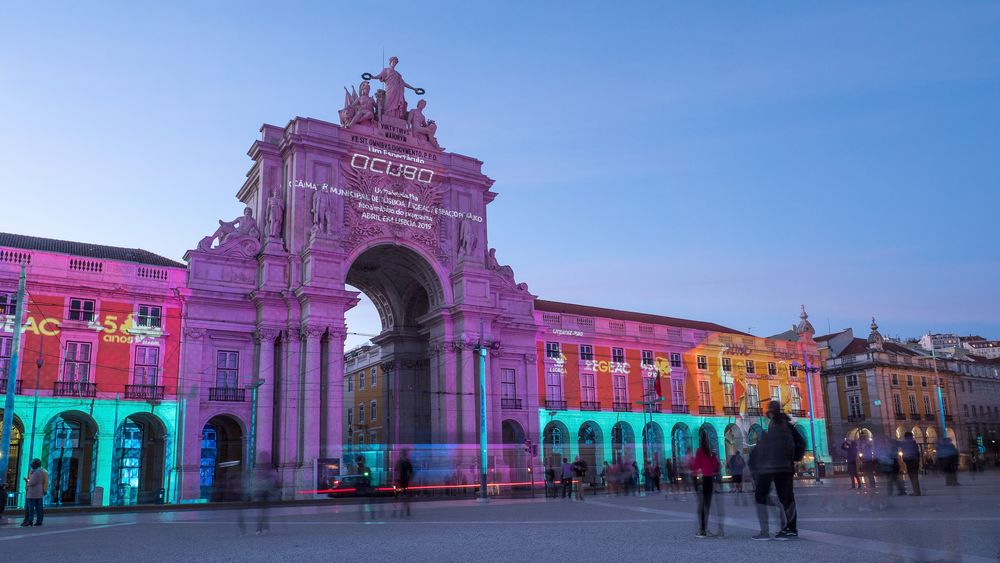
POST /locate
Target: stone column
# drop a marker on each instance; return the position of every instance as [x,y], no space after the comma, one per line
[104,454]
[309,414]
[264,457]
[190,396]
[288,455]
[468,388]
[333,404]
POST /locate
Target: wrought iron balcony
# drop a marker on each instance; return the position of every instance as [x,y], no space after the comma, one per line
[74,389]
[652,407]
[731,411]
[706,409]
[928,416]
[899,415]
[511,403]
[229,394]
[590,405]
[799,412]
[754,411]
[948,418]
[855,418]
[679,409]
[621,407]
[17,386]
[554,405]
[914,416]
[145,392]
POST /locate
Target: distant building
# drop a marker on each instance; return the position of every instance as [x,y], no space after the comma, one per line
[364,409]
[984,348]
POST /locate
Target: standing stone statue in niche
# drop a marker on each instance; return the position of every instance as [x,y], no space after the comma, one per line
[467,241]
[421,126]
[324,215]
[395,87]
[275,214]
[359,107]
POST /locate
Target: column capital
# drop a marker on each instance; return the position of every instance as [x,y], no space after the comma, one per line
[311,332]
[265,334]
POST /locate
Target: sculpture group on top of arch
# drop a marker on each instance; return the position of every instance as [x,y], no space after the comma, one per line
[388,106]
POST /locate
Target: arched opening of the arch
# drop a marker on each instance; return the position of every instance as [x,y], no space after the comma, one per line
[69,452]
[222,459]
[14,463]
[406,293]
[139,460]
[514,455]
[591,440]
[555,445]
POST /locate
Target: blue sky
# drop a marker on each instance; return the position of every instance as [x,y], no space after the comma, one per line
[717,161]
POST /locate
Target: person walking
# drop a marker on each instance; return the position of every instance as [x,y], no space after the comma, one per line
[634,476]
[779,448]
[704,468]
[404,475]
[911,459]
[947,456]
[604,477]
[656,475]
[579,468]
[550,482]
[735,468]
[850,448]
[567,479]
[35,485]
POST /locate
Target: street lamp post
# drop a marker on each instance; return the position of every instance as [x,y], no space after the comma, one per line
[810,369]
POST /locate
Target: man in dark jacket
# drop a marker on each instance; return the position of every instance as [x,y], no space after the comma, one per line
[911,458]
[774,462]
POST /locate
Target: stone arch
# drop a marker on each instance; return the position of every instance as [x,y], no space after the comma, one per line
[222,458]
[680,443]
[622,443]
[138,460]
[803,430]
[16,453]
[515,458]
[555,445]
[734,439]
[591,446]
[652,443]
[70,455]
[753,434]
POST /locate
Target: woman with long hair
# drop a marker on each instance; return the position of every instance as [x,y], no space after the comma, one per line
[704,468]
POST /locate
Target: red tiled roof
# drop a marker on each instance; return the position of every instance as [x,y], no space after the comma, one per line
[86,249]
[826,337]
[588,311]
[857,346]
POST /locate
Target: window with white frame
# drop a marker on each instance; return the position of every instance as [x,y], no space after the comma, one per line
[373,437]
[588,391]
[76,363]
[586,352]
[373,374]
[8,303]
[361,380]
[854,404]
[796,397]
[753,396]
[374,411]
[923,381]
[554,386]
[909,379]
[6,343]
[147,362]
[728,395]
[675,360]
[361,439]
[81,309]
[897,404]
[350,419]
[647,357]
[704,394]
[851,380]
[727,365]
[913,405]
[772,369]
[552,350]
[702,362]
[677,391]
[618,386]
[149,316]
[944,406]
[927,405]
[793,371]
[361,413]
[227,364]
[649,388]
[618,355]
[895,379]
[751,367]
[350,383]
[508,384]
[776,393]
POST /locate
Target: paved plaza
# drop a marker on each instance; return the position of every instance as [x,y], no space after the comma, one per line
[947,524]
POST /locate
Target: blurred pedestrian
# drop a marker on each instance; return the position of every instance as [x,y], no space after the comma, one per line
[947,457]
[735,468]
[780,447]
[35,485]
[567,479]
[404,476]
[704,468]
[656,474]
[671,478]
[634,476]
[550,482]
[579,468]
[850,448]
[911,459]
[647,476]
[604,476]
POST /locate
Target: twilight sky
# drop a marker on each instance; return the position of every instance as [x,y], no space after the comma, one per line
[722,163]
